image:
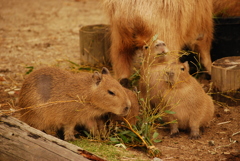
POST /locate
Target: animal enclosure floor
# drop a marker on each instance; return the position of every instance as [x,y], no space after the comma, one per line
[37,33]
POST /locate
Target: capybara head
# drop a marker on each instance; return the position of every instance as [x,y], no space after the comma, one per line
[157,52]
[108,94]
[176,72]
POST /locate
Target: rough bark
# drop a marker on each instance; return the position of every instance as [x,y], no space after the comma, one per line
[20,142]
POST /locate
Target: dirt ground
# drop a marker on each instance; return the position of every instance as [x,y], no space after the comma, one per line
[46,32]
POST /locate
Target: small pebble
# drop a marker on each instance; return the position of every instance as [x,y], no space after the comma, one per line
[211,143]
[11,92]
[226,110]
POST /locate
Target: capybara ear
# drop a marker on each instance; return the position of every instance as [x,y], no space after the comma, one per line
[105,70]
[97,77]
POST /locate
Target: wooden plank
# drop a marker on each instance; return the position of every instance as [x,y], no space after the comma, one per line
[19,142]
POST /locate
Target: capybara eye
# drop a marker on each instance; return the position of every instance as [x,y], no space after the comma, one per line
[145,47]
[182,69]
[111,93]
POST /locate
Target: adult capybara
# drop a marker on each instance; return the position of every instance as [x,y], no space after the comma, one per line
[54,99]
[178,23]
[169,86]
[226,8]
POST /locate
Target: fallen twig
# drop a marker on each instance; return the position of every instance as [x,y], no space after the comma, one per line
[223,122]
[236,133]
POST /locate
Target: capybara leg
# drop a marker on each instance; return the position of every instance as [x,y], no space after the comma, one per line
[122,63]
[50,132]
[69,133]
[203,47]
[121,55]
[174,129]
[206,61]
[92,126]
[194,132]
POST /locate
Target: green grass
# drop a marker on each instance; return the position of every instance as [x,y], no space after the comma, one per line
[110,152]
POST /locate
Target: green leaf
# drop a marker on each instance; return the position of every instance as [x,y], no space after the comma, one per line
[157,141]
[30,69]
[86,133]
[115,140]
[124,132]
[141,99]
[124,139]
[155,37]
[155,135]
[73,63]
[169,112]
[174,121]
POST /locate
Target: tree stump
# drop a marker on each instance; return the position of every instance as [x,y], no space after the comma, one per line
[95,45]
[20,142]
[226,79]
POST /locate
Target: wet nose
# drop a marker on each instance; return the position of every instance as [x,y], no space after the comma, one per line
[127,108]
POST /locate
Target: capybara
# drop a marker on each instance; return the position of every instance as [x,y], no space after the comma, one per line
[134,110]
[57,99]
[178,23]
[226,8]
[170,86]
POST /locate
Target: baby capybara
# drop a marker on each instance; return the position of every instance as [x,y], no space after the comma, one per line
[172,87]
[134,111]
[54,99]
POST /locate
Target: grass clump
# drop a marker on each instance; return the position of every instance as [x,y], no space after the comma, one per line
[108,151]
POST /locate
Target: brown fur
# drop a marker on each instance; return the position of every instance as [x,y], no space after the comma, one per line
[177,23]
[134,111]
[180,92]
[60,99]
[226,8]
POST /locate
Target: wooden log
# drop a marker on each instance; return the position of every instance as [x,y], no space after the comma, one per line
[95,45]
[226,78]
[19,142]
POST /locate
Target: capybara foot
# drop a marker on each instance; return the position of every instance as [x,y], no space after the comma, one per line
[173,135]
[174,131]
[194,133]
[194,137]
[69,137]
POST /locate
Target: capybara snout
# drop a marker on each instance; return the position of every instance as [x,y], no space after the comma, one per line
[125,111]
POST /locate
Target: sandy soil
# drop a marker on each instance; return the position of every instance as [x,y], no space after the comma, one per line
[46,32]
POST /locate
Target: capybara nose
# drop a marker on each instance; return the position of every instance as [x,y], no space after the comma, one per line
[125,111]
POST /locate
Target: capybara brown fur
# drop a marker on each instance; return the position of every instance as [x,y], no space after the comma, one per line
[57,99]
[178,23]
[134,110]
[171,87]
[226,8]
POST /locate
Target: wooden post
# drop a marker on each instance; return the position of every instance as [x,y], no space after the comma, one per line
[19,141]
[226,78]
[95,45]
